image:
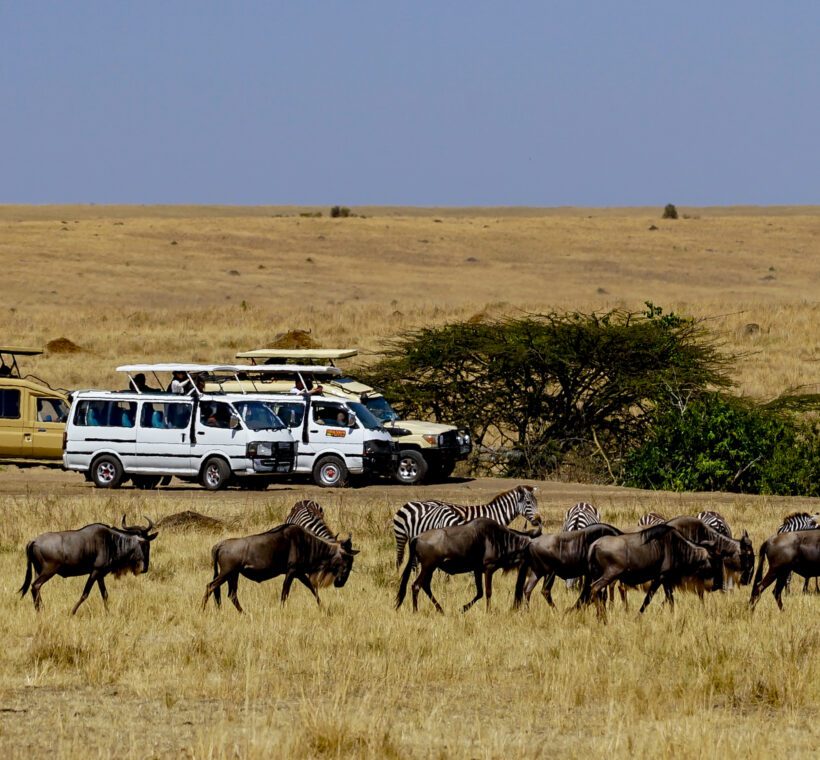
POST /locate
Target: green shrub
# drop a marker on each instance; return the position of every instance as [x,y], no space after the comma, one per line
[670,212]
[339,211]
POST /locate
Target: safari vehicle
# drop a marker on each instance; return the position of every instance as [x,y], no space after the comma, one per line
[145,435]
[427,450]
[32,413]
[336,437]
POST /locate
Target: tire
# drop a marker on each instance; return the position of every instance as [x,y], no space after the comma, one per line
[146,482]
[215,474]
[330,472]
[412,467]
[106,471]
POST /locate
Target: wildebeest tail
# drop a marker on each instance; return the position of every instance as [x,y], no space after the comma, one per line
[29,564]
[761,560]
[405,576]
[217,592]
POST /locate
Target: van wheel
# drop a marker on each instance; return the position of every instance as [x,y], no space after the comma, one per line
[330,472]
[146,482]
[106,472]
[412,467]
[215,474]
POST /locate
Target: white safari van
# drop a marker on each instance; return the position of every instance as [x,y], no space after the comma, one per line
[335,437]
[145,434]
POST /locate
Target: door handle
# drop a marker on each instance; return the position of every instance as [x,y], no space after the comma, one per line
[314,431]
[41,430]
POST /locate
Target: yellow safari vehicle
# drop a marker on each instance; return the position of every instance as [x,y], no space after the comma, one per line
[32,413]
[427,450]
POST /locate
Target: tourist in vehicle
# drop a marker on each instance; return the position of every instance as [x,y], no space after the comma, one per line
[180,383]
[305,388]
[140,385]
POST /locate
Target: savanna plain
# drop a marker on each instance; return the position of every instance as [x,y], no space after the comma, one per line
[159,677]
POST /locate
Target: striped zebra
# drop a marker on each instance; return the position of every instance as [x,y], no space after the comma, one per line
[415,517]
[715,521]
[794,522]
[310,516]
[650,519]
[578,517]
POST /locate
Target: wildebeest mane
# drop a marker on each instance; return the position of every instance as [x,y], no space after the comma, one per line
[655,532]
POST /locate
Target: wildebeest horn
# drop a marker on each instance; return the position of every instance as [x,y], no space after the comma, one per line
[150,522]
[123,521]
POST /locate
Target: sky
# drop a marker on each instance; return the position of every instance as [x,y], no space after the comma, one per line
[418,103]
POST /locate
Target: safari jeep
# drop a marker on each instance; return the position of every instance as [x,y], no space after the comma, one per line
[144,435]
[426,449]
[336,437]
[32,414]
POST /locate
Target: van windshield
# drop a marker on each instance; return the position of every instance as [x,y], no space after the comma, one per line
[258,415]
[364,415]
[380,408]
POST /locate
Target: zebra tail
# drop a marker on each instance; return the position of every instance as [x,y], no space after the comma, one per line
[29,563]
[405,576]
[761,561]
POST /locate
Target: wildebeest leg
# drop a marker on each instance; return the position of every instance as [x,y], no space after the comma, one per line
[479,591]
[488,587]
[522,583]
[89,584]
[305,581]
[650,593]
[37,585]
[233,586]
[622,590]
[667,590]
[214,588]
[778,589]
[103,592]
[423,582]
[759,588]
[546,589]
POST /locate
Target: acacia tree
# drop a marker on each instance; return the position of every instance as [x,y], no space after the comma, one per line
[539,388]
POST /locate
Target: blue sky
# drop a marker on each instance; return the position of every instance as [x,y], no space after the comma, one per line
[410,103]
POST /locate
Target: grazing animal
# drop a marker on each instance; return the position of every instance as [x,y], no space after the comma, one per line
[739,554]
[659,555]
[480,546]
[563,554]
[94,550]
[800,521]
[287,550]
[416,517]
[578,517]
[650,519]
[792,552]
[311,517]
[715,521]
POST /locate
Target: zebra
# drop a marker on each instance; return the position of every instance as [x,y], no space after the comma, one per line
[310,516]
[415,517]
[715,521]
[650,519]
[799,521]
[578,517]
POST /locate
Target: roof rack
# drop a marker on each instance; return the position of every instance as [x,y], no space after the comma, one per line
[282,355]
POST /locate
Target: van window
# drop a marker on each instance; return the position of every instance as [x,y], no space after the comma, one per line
[330,414]
[290,413]
[105,413]
[258,415]
[217,414]
[10,404]
[51,410]
[165,416]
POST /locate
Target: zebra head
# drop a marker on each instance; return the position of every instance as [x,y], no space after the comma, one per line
[527,504]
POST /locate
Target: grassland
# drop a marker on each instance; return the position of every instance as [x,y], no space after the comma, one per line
[157,677]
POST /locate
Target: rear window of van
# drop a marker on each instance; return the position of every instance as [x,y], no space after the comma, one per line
[121,414]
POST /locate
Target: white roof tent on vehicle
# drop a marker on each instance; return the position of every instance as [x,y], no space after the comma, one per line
[234,372]
[10,369]
[283,355]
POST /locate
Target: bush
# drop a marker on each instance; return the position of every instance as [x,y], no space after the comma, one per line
[719,443]
[670,212]
[339,211]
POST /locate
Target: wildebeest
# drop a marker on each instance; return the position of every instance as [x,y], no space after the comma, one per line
[480,546]
[94,550]
[287,550]
[800,521]
[796,552]
[659,555]
[563,554]
[739,555]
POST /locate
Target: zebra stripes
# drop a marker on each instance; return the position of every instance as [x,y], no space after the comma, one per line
[715,521]
[310,516]
[798,521]
[580,516]
[415,517]
[650,519]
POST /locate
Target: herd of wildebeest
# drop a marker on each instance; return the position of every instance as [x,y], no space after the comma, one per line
[691,553]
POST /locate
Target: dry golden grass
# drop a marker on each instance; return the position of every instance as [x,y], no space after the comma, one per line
[157,677]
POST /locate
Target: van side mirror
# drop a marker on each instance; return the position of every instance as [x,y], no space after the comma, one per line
[351,419]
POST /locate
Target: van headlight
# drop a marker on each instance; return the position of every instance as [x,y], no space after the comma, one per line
[260,449]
